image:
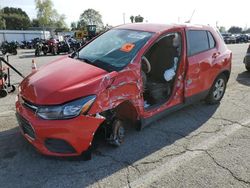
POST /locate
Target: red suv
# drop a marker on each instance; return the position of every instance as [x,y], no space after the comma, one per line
[132,74]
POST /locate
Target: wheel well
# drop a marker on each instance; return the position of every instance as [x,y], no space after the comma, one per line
[226,73]
[124,111]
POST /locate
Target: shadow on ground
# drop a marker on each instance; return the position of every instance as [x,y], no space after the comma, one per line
[33,56]
[244,78]
[21,165]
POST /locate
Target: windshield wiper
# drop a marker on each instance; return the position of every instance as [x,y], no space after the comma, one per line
[86,60]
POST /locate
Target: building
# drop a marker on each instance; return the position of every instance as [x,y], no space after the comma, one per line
[21,35]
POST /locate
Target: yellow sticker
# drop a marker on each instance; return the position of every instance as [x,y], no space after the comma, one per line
[127,47]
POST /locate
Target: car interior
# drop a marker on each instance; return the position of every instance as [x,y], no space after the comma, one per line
[159,66]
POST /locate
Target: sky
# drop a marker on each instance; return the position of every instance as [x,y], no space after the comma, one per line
[223,12]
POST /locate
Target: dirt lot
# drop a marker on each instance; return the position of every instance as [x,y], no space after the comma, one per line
[199,146]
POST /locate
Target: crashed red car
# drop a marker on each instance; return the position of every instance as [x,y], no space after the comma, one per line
[132,74]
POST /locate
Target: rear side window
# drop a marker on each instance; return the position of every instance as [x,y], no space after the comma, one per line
[199,41]
[211,40]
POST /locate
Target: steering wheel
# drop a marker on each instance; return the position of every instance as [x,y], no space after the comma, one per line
[147,64]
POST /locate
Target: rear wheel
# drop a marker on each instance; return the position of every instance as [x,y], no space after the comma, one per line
[54,50]
[217,90]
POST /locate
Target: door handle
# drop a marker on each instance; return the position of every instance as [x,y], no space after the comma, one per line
[215,55]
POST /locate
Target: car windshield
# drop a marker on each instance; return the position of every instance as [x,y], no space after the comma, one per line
[115,49]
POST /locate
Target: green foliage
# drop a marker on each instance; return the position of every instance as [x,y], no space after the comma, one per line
[14,18]
[247,30]
[136,19]
[44,12]
[235,29]
[222,29]
[73,26]
[132,19]
[90,17]
[49,17]
[2,21]
[139,18]
[35,23]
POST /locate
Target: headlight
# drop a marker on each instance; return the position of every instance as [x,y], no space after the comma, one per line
[66,111]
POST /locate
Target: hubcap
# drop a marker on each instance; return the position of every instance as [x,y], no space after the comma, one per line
[219,89]
[121,134]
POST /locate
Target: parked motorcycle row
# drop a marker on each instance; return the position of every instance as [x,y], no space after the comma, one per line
[54,46]
[42,47]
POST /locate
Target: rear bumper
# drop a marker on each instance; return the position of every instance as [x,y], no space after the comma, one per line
[57,137]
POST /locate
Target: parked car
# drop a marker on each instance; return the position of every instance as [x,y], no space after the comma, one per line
[132,74]
[247,59]
[229,38]
[240,38]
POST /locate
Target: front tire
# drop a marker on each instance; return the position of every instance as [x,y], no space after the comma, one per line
[118,133]
[248,68]
[14,52]
[3,93]
[217,90]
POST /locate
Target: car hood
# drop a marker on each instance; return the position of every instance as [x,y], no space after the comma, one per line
[60,81]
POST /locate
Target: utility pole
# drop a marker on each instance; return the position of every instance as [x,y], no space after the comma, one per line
[123,18]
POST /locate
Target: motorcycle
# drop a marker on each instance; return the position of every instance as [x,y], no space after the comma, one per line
[38,48]
[51,46]
[9,47]
[63,47]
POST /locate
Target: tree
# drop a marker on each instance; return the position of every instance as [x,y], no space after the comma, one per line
[2,21]
[247,30]
[132,19]
[59,20]
[73,26]
[35,23]
[15,18]
[222,29]
[81,24]
[44,12]
[139,18]
[90,17]
[235,29]
[49,17]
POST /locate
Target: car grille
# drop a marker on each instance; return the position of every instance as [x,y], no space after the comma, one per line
[25,126]
[59,146]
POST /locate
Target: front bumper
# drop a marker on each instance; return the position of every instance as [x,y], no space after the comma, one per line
[57,137]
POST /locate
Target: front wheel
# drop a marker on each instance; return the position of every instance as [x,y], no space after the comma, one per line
[217,90]
[118,133]
[3,93]
[14,52]
[248,68]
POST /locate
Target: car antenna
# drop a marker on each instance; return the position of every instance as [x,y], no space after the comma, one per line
[189,21]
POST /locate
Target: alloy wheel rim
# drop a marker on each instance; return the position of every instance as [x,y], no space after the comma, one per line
[219,89]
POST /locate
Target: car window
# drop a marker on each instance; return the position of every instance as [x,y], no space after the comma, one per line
[211,40]
[114,49]
[197,41]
